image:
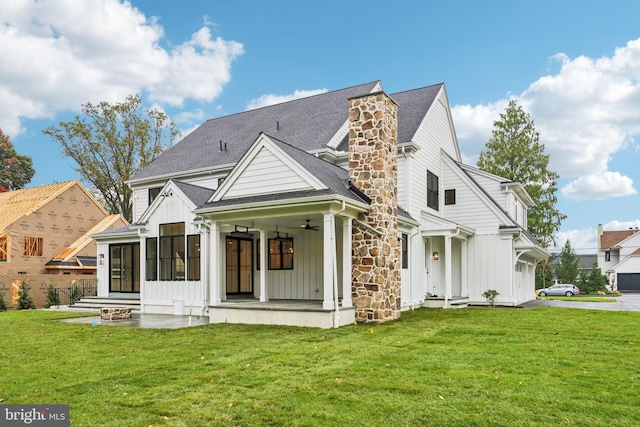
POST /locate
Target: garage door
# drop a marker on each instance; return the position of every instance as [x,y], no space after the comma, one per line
[629,282]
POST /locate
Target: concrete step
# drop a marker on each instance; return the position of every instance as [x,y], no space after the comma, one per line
[96,303]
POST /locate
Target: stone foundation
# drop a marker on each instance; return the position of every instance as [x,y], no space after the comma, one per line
[115,313]
[373,169]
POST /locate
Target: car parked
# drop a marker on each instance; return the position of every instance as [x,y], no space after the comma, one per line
[559,289]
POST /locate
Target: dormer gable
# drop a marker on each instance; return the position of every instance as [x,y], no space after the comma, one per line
[266,169]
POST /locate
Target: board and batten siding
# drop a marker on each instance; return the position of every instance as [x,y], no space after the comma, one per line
[434,134]
[160,296]
[491,266]
[266,174]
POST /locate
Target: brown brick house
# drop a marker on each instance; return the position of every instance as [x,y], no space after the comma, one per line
[44,237]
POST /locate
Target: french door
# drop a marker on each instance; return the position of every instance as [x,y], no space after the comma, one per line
[125,268]
[239,256]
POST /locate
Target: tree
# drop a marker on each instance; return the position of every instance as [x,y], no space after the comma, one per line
[544,274]
[16,170]
[113,142]
[515,152]
[593,281]
[25,301]
[567,268]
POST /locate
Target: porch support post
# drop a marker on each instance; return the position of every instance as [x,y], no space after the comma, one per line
[215,262]
[264,297]
[447,271]
[347,273]
[142,267]
[327,264]
[465,268]
[204,264]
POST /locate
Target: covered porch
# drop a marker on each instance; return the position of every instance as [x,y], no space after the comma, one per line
[285,264]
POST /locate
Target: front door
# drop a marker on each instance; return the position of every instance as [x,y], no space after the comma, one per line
[239,255]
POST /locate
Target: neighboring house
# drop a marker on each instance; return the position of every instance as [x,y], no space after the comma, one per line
[349,205]
[619,258]
[45,237]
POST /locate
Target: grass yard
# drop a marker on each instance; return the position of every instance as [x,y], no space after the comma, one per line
[469,367]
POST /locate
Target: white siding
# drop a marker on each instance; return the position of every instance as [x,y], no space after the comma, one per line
[403,170]
[491,267]
[469,209]
[434,134]
[266,174]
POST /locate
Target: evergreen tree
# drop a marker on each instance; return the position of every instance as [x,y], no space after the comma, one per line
[568,269]
[25,301]
[515,152]
[3,303]
[53,296]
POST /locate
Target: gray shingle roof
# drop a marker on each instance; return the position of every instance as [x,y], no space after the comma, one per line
[308,122]
[198,195]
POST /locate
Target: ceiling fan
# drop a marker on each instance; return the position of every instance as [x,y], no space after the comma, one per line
[308,226]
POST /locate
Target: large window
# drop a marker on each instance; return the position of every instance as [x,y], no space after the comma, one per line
[433,197]
[405,250]
[172,251]
[151,261]
[123,262]
[33,246]
[193,257]
[281,253]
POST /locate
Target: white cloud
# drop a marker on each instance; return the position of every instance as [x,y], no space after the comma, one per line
[585,114]
[599,187]
[65,53]
[270,99]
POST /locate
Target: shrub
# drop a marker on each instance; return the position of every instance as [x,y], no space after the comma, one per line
[3,303]
[75,292]
[25,301]
[491,295]
[53,296]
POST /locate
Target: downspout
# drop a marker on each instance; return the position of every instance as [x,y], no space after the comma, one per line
[141,276]
[336,316]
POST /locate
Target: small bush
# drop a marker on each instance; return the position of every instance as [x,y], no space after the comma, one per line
[53,296]
[490,295]
[3,303]
[25,302]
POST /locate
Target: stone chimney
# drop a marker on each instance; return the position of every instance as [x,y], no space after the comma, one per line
[373,142]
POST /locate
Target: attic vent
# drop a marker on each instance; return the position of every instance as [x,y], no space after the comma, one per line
[221,146]
[277,125]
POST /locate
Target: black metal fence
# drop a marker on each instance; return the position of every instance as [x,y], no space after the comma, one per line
[77,290]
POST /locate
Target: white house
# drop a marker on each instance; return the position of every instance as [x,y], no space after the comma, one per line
[619,258]
[349,205]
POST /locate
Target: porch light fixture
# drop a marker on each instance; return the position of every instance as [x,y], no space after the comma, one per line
[101,259]
[236,233]
[435,256]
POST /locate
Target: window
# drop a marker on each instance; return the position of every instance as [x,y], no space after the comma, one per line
[193,257]
[405,250]
[33,246]
[4,255]
[281,253]
[449,197]
[151,264]
[432,191]
[607,256]
[153,194]
[172,248]
[124,262]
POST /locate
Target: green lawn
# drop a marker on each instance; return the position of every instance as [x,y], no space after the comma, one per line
[469,367]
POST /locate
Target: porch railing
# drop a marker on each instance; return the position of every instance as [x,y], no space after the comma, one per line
[77,290]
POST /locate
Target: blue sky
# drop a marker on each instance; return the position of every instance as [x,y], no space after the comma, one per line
[573,65]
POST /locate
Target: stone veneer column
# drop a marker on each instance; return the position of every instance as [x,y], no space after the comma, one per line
[373,141]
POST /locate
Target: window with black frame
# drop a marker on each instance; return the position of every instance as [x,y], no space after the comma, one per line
[433,195]
[151,259]
[193,257]
[172,251]
[281,253]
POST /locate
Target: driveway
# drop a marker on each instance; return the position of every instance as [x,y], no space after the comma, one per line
[626,302]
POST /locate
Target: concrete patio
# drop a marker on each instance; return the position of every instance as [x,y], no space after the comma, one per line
[150,321]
